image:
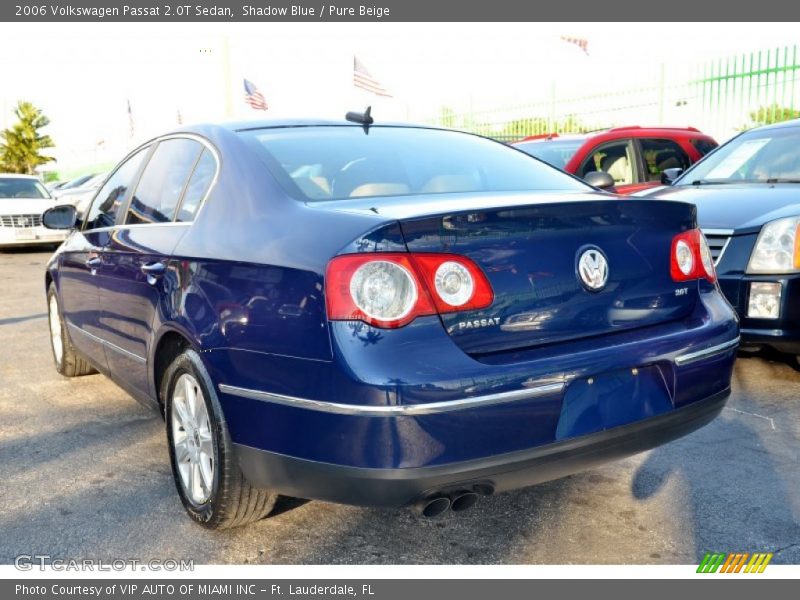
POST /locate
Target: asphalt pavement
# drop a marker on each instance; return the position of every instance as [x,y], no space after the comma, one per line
[84,473]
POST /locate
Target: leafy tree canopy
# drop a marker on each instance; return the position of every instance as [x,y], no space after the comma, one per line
[21,144]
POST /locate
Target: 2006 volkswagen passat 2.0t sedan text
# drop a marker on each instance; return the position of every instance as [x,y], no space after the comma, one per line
[384,315]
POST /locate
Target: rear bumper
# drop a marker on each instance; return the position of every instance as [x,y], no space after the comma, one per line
[409,398]
[405,486]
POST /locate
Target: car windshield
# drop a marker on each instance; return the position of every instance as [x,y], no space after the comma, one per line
[758,156]
[557,152]
[18,187]
[77,182]
[335,162]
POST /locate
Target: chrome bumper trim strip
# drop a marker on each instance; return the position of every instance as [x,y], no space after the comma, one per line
[685,359]
[405,410]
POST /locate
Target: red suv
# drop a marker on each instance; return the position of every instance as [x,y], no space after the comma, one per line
[635,156]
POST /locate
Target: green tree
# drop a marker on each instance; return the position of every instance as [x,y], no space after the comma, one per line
[22,143]
[767,115]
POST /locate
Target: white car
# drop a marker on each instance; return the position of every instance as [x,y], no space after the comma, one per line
[23,199]
[81,195]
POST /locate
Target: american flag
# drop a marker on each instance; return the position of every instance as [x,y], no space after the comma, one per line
[362,79]
[253,97]
[581,43]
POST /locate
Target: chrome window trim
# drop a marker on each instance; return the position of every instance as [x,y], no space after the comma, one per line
[685,359]
[405,410]
[107,344]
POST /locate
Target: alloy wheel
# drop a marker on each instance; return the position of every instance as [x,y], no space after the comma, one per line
[192,440]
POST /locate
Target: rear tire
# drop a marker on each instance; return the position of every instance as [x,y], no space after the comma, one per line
[210,483]
[67,360]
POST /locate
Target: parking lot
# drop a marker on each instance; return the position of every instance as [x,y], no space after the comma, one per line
[84,473]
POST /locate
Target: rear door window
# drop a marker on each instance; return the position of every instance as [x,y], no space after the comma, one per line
[659,155]
[162,184]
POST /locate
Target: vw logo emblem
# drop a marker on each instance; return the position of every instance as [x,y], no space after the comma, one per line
[593,269]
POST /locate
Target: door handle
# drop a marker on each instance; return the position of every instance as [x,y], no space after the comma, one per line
[153,271]
[94,262]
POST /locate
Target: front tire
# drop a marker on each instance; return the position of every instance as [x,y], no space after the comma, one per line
[210,483]
[68,362]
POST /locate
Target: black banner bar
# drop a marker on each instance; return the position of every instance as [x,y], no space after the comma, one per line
[391,589]
[395,10]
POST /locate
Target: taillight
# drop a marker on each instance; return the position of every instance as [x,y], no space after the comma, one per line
[691,258]
[455,282]
[391,289]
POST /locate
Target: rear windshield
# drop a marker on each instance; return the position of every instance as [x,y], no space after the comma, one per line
[557,153]
[337,162]
[13,187]
[704,146]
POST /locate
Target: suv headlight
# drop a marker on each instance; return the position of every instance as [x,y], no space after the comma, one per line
[777,249]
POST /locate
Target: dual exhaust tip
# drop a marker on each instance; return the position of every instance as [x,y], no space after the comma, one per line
[435,505]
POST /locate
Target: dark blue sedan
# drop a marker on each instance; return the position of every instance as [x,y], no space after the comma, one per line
[384,315]
[748,204]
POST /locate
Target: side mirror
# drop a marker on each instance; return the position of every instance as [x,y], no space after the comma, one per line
[600,179]
[670,175]
[60,217]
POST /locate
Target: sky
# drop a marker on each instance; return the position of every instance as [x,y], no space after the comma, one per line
[84,75]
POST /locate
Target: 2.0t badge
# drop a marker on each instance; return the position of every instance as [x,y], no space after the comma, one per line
[593,269]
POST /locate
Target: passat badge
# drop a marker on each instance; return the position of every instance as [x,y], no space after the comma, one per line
[593,269]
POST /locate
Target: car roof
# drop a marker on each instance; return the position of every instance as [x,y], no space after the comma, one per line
[549,137]
[781,125]
[627,130]
[275,123]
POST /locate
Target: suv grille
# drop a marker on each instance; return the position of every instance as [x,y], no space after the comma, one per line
[717,241]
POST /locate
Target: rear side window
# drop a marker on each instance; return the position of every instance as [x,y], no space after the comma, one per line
[615,158]
[161,186]
[199,182]
[338,162]
[704,146]
[659,155]
[106,203]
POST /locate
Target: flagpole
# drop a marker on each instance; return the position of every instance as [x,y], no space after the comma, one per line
[226,76]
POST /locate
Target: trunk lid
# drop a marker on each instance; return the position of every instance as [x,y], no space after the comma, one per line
[530,255]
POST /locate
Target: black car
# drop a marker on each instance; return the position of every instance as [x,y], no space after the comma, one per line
[748,205]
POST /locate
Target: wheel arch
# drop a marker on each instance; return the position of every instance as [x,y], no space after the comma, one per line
[170,343]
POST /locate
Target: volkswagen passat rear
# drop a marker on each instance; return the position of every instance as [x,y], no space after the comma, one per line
[385,315]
